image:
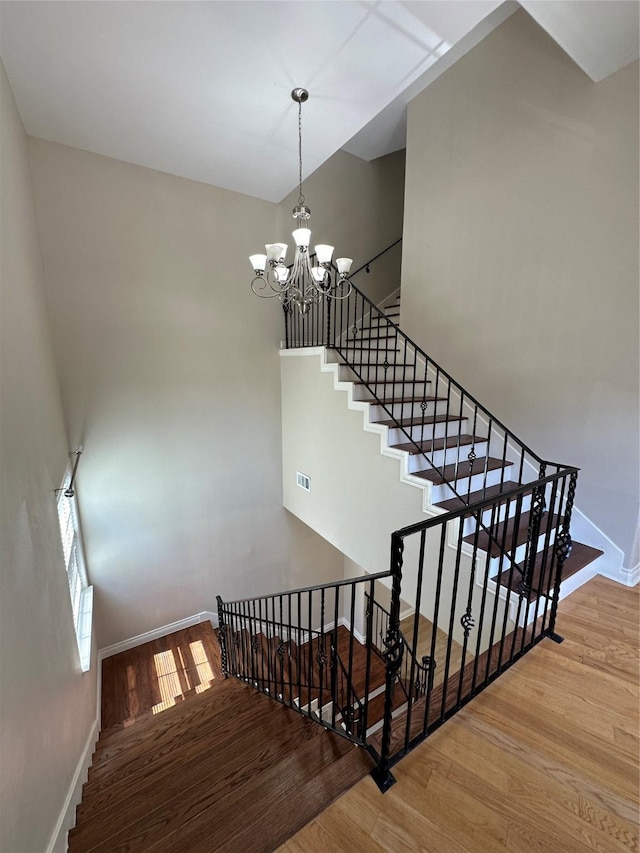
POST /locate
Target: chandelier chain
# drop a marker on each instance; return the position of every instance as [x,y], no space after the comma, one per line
[300,195]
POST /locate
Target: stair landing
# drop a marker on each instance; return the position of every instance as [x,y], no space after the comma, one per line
[223,769]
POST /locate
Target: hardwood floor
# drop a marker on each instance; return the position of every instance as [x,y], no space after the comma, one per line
[545,759]
[157,675]
[193,763]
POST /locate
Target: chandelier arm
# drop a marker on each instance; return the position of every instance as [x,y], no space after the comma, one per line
[266,283]
[340,285]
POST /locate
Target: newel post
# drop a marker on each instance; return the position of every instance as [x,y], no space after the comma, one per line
[562,547]
[222,637]
[394,648]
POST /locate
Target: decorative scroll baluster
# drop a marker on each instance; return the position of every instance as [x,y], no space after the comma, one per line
[533,533]
[394,646]
[222,637]
[563,546]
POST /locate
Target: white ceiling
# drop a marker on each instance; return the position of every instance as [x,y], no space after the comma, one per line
[201,89]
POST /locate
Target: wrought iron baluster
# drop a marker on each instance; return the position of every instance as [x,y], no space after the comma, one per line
[562,548]
[393,659]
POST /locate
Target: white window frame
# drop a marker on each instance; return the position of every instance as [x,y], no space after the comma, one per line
[80,591]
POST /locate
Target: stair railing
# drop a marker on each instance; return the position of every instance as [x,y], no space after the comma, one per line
[415,675]
[490,594]
[309,649]
[483,618]
[299,646]
[424,417]
[422,405]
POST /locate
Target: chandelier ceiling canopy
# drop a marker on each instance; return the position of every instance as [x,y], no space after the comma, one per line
[312,276]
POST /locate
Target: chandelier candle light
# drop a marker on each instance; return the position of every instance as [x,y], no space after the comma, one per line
[303,283]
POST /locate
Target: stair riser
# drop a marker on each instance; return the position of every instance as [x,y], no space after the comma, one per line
[372,374]
[427,432]
[441,458]
[462,485]
[386,391]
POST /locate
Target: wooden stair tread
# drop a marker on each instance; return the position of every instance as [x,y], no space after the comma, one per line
[293,799]
[393,366]
[463,470]
[164,724]
[387,333]
[418,421]
[365,349]
[181,774]
[503,489]
[262,756]
[398,400]
[512,538]
[410,382]
[389,323]
[581,555]
[439,444]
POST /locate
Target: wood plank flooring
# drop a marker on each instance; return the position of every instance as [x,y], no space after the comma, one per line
[159,674]
[545,759]
[194,763]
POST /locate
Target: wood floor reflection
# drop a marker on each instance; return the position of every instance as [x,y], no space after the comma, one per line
[157,675]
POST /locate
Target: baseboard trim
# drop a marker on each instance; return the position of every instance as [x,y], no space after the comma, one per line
[155,633]
[627,577]
[67,817]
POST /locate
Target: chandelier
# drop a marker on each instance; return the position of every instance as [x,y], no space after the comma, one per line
[311,277]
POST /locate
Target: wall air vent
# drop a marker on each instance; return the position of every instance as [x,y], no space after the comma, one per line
[303,481]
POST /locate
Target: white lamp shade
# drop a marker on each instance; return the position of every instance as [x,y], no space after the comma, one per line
[324,253]
[282,273]
[344,265]
[302,236]
[258,262]
[276,251]
[319,274]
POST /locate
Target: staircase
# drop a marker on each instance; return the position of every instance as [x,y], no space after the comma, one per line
[224,768]
[488,567]
[445,445]
[483,575]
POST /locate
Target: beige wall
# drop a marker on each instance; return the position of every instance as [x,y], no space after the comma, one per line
[357,207]
[520,264]
[47,705]
[170,379]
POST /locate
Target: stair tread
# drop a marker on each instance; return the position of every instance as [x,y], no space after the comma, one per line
[381,335]
[463,469]
[458,502]
[366,349]
[387,319]
[393,366]
[188,759]
[418,421]
[208,805]
[512,537]
[297,795]
[392,401]
[410,382]
[145,741]
[581,555]
[158,725]
[463,440]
